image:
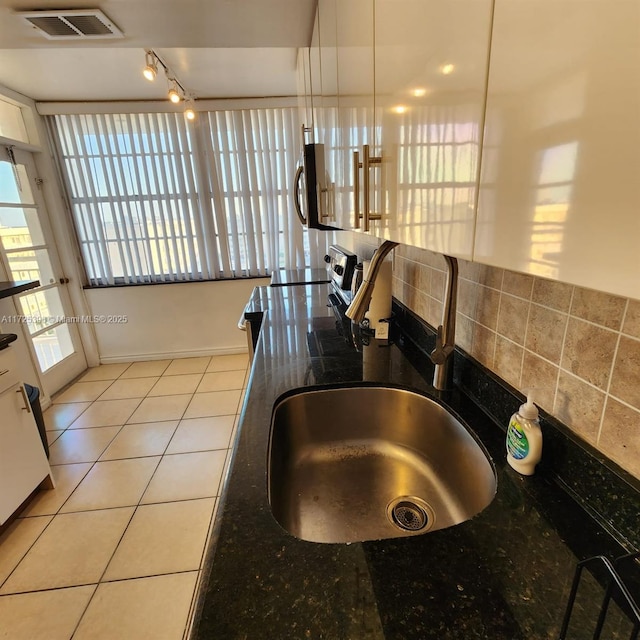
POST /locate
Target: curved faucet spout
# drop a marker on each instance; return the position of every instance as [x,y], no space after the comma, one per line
[360,303]
[442,355]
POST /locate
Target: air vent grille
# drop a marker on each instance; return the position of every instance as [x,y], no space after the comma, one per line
[77,24]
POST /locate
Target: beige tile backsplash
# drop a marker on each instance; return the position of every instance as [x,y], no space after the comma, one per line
[579,348]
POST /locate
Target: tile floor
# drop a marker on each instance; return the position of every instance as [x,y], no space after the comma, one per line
[114,551]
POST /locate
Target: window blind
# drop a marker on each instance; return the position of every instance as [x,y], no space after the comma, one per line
[156,198]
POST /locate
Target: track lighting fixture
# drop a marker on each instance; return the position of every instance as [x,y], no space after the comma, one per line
[151,70]
[176,92]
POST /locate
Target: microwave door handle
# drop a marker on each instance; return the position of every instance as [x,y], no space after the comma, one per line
[296,195]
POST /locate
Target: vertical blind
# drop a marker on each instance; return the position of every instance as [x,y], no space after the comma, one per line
[156,198]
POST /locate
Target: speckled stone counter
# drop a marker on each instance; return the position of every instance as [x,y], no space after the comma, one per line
[13,288]
[505,574]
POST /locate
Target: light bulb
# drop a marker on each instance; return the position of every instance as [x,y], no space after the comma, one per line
[399,108]
[418,92]
[150,72]
[447,69]
[190,113]
[174,96]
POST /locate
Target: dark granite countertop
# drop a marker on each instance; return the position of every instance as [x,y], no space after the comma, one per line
[286,277]
[505,574]
[10,288]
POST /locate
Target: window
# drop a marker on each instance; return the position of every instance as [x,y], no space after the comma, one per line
[157,199]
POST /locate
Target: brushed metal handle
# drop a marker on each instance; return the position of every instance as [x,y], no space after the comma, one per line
[367,161]
[27,406]
[357,165]
[296,195]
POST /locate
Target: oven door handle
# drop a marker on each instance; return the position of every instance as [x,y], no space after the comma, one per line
[296,195]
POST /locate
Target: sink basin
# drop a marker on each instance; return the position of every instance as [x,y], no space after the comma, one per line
[351,464]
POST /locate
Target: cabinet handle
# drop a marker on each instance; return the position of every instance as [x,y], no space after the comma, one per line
[27,406]
[367,161]
[4,371]
[357,165]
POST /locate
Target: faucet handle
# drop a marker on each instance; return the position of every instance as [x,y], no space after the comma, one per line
[438,355]
[441,352]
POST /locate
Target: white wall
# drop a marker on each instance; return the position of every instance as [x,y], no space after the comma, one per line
[171,320]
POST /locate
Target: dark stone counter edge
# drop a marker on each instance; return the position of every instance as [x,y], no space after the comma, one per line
[606,491]
[13,288]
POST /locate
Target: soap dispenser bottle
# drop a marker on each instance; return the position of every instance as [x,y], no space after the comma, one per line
[524,439]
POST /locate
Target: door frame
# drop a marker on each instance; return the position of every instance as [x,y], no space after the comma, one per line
[61,373]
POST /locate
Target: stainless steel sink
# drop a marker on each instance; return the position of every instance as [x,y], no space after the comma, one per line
[363,463]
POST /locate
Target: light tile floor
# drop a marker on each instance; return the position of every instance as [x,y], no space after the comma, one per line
[115,551]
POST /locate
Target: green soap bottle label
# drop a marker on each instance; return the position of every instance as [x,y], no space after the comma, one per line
[517,442]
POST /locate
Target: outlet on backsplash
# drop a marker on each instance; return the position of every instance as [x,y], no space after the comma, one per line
[579,347]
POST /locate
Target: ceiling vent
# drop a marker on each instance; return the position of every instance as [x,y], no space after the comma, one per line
[73,24]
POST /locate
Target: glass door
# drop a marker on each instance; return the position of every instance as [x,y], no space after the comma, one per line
[27,252]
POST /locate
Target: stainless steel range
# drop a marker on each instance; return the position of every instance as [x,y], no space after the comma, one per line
[341,264]
[340,269]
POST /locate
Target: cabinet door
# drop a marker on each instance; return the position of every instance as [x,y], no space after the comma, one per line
[315,78]
[431,62]
[356,120]
[558,192]
[23,463]
[329,104]
[303,86]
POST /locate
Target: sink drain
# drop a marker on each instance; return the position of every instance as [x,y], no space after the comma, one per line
[410,514]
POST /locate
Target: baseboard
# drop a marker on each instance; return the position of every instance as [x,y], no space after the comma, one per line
[172,355]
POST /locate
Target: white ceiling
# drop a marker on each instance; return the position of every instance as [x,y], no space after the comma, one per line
[217,49]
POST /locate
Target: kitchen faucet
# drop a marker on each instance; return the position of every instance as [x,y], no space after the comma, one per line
[361,300]
[442,355]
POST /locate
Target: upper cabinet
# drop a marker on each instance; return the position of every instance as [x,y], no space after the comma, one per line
[303,85]
[506,132]
[561,160]
[315,81]
[355,115]
[403,90]
[431,61]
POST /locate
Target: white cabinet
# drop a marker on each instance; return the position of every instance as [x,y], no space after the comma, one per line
[431,62]
[410,79]
[356,110]
[303,85]
[315,80]
[559,193]
[23,462]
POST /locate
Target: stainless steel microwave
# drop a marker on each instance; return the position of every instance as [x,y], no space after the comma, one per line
[311,188]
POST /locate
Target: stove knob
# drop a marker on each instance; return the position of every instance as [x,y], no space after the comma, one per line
[339,269]
[327,258]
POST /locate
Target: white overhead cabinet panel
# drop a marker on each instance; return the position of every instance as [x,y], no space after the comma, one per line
[303,86]
[356,121]
[559,194]
[431,62]
[328,101]
[315,80]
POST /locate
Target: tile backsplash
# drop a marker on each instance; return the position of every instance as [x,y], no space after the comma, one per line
[578,348]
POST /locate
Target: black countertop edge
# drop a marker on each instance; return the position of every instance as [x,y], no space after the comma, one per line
[292,277]
[605,490]
[12,288]
[153,283]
